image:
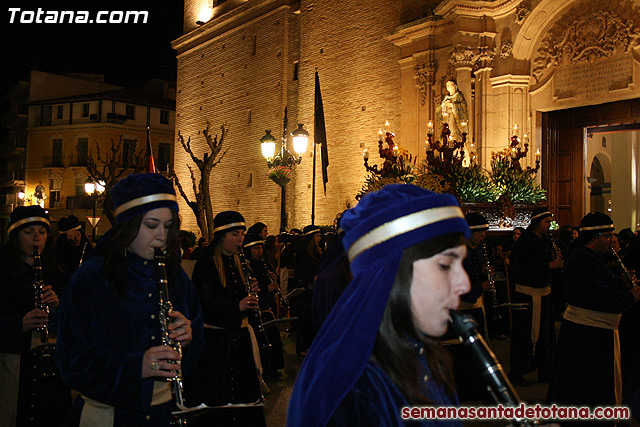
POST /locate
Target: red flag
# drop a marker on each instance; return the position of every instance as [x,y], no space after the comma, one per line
[320,132]
[151,164]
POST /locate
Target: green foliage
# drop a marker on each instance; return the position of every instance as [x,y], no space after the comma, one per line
[375,182]
[472,184]
[519,185]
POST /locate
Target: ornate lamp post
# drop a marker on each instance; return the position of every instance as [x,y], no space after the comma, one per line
[94,189]
[282,163]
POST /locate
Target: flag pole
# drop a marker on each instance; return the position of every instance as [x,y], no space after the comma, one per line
[313,187]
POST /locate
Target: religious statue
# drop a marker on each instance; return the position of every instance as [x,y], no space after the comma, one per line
[453,111]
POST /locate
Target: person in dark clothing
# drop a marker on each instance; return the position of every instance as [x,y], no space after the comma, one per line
[269,339]
[73,246]
[586,368]
[29,394]
[533,329]
[307,265]
[472,303]
[229,371]
[332,280]
[112,342]
[202,244]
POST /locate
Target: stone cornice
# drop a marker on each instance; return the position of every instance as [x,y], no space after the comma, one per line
[408,34]
[241,15]
[510,80]
[495,9]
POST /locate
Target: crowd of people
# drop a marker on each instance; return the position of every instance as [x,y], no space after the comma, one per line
[135,340]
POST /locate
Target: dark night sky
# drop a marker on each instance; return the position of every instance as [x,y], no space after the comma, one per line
[128,54]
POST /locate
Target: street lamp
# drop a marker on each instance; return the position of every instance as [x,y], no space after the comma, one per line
[282,163]
[94,189]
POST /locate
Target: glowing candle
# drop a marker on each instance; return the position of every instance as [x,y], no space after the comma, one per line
[430,128]
[365,154]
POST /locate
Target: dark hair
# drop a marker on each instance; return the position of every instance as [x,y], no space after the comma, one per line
[12,257]
[201,241]
[257,228]
[394,348]
[125,233]
[308,244]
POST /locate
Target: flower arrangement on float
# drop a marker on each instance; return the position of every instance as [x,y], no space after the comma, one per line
[505,194]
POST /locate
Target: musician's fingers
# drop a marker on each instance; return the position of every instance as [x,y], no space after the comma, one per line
[163,352]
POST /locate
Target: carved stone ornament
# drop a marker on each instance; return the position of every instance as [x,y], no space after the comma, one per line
[475,58]
[522,11]
[592,36]
[425,78]
[506,49]
[463,56]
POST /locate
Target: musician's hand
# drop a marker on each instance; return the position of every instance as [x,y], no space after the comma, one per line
[180,328]
[155,364]
[49,297]
[36,318]
[254,285]
[273,286]
[556,263]
[487,286]
[248,303]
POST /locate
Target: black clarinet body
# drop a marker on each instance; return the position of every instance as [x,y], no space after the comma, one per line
[43,353]
[485,360]
[257,313]
[165,320]
[492,282]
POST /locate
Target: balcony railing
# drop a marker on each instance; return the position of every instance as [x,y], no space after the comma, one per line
[77,160]
[52,162]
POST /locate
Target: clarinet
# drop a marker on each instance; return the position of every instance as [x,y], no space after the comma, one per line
[556,250]
[626,275]
[44,353]
[165,319]
[257,313]
[284,301]
[492,282]
[84,248]
[498,384]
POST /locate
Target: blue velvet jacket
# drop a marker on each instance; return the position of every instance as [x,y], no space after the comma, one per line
[102,337]
[375,400]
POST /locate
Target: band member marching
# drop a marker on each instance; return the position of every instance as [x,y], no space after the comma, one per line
[31,392]
[271,357]
[111,341]
[472,303]
[73,246]
[533,329]
[587,363]
[229,370]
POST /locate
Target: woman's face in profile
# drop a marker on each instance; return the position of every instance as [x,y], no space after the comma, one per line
[436,287]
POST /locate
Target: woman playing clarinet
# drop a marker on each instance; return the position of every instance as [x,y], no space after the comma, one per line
[110,345]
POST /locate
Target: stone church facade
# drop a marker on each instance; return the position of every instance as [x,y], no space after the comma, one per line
[547,66]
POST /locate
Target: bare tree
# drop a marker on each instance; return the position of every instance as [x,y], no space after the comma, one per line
[110,168]
[201,206]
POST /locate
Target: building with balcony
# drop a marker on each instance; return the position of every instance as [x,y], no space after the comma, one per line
[57,122]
